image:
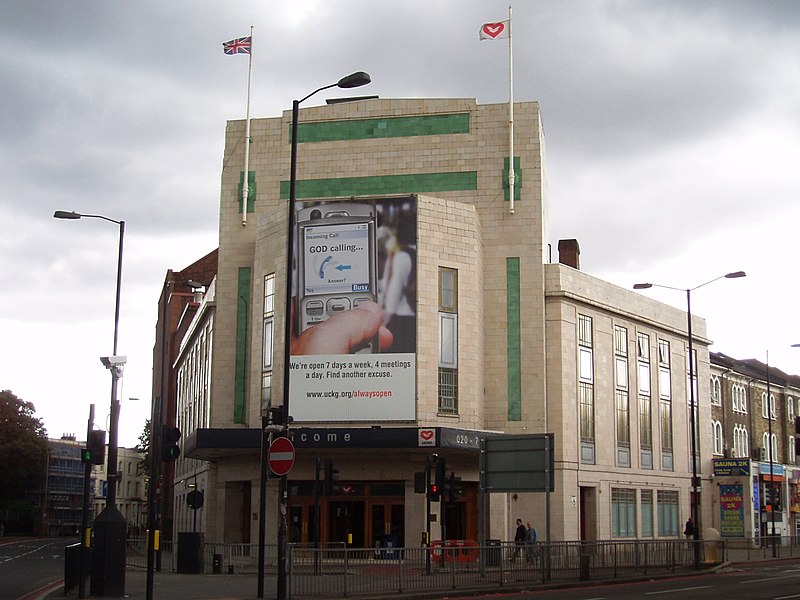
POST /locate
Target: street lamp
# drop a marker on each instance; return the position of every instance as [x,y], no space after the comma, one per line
[108,569]
[353,80]
[692,421]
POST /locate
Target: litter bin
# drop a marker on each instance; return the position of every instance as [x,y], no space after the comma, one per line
[191,548]
[216,564]
[492,553]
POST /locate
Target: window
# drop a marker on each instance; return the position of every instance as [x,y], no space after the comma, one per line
[586,388]
[741,441]
[623,513]
[645,404]
[738,399]
[770,442]
[668,522]
[768,407]
[665,404]
[448,341]
[647,513]
[621,396]
[790,409]
[792,453]
[716,433]
[267,341]
[716,391]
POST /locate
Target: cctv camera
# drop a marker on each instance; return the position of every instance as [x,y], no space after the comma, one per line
[113,361]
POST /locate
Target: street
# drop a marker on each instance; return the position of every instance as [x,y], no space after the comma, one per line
[27,566]
[756,582]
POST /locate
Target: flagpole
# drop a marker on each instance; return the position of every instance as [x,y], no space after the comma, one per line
[246,182]
[511,173]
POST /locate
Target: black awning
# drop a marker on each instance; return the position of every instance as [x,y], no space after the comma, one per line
[214,444]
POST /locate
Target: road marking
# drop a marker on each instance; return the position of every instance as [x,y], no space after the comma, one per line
[785,597]
[687,589]
[770,578]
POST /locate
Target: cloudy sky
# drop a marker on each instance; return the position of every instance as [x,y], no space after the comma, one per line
[672,127]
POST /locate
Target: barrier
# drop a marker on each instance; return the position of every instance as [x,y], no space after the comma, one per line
[460,551]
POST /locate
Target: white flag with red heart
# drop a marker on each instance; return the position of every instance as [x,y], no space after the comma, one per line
[495,31]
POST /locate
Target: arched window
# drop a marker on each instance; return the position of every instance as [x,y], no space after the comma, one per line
[716,432]
[716,391]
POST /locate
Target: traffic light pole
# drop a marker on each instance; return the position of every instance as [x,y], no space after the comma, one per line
[85,531]
[427,516]
[155,464]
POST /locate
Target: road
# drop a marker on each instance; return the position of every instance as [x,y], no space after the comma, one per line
[28,566]
[748,582]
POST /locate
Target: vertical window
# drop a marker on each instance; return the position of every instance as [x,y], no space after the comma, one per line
[623,513]
[621,396]
[716,433]
[645,402]
[586,389]
[668,521]
[267,340]
[792,453]
[738,399]
[770,442]
[692,402]
[448,341]
[647,513]
[665,403]
[790,410]
[716,391]
[741,441]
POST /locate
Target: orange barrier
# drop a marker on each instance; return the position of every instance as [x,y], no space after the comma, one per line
[454,550]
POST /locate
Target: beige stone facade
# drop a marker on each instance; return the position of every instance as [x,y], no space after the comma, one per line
[517,332]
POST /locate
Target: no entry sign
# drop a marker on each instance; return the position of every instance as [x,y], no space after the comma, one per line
[281,456]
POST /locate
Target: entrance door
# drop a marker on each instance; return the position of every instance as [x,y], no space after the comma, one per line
[455,521]
[346,517]
[588,514]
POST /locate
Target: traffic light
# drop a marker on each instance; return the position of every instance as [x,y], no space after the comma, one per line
[774,496]
[170,450]
[419,482]
[95,451]
[331,479]
[441,475]
[434,492]
[454,488]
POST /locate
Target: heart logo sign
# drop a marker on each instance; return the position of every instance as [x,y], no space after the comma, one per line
[493,30]
[427,437]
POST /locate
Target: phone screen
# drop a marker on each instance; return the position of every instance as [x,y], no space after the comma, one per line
[336,259]
[337,262]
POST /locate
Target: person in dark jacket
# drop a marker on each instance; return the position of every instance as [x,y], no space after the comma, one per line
[519,540]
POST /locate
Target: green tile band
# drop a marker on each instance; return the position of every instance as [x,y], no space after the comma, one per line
[365,129]
[240,367]
[379,185]
[513,341]
[251,190]
[517,179]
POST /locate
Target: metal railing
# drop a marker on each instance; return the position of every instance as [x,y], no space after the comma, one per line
[343,571]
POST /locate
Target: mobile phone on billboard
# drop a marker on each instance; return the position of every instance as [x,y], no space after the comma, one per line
[337,262]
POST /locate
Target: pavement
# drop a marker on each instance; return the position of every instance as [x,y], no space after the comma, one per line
[175,586]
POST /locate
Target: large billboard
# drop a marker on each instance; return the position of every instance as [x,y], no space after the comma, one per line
[354,317]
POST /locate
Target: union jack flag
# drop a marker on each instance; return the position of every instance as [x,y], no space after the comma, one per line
[237,46]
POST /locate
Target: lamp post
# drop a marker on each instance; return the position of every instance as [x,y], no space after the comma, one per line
[353,80]
[108,559]
[692,402]
[771,494]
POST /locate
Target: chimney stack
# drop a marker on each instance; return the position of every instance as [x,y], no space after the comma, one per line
[569,253]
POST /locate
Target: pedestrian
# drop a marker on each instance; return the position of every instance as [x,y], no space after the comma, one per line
[688,531]
[530,543]
[519,540]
